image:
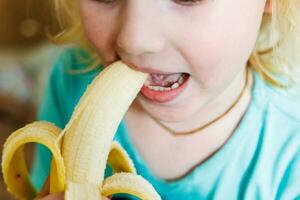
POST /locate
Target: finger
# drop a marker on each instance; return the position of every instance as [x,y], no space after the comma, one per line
[56,196]
[105,198]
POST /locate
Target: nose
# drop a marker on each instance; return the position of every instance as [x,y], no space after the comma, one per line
[139,29]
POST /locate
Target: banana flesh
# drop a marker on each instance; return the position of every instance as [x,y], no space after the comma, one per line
[82,149]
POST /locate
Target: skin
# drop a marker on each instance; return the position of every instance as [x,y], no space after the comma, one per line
[201,39]
[209,39]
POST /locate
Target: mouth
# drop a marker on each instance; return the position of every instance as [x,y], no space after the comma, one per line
[164,87]
[165,82]
[161,86]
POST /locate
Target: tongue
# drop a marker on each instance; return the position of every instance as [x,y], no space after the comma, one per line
[165,80]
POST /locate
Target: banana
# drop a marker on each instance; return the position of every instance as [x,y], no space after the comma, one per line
[82,149]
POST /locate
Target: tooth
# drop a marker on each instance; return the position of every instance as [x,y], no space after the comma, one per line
[175,85]
[180,80]
[155,88]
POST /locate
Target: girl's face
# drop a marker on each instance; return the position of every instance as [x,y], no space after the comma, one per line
[209,39]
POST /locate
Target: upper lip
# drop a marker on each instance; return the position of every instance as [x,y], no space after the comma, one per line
[148,70]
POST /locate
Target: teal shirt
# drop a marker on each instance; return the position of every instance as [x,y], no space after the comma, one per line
[261,160]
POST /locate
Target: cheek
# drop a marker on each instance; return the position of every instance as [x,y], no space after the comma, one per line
[98,29]
[219,49]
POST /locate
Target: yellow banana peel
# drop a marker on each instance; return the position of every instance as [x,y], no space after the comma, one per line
[82,149]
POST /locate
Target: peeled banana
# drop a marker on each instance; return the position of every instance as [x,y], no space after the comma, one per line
[82,149]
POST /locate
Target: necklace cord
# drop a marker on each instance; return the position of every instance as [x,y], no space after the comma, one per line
[175,133]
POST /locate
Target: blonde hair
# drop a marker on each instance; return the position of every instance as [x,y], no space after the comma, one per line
[274,56]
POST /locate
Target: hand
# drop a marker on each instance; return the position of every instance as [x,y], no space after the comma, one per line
[58,196]
[44,193]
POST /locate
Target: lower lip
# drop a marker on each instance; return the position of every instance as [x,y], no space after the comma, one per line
[164,96]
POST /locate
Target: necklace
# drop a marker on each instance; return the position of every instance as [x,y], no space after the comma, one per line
[175,133]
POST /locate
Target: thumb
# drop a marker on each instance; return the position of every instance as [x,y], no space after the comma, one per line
[56,196]
[45,191]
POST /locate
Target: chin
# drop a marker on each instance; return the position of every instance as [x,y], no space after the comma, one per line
[163,112]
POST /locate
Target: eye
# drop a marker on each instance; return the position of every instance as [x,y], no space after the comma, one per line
[106,1]
[187,2]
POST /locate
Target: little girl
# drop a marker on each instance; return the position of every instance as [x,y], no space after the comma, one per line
[213,120]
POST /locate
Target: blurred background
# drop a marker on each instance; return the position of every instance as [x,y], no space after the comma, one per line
[25,59]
